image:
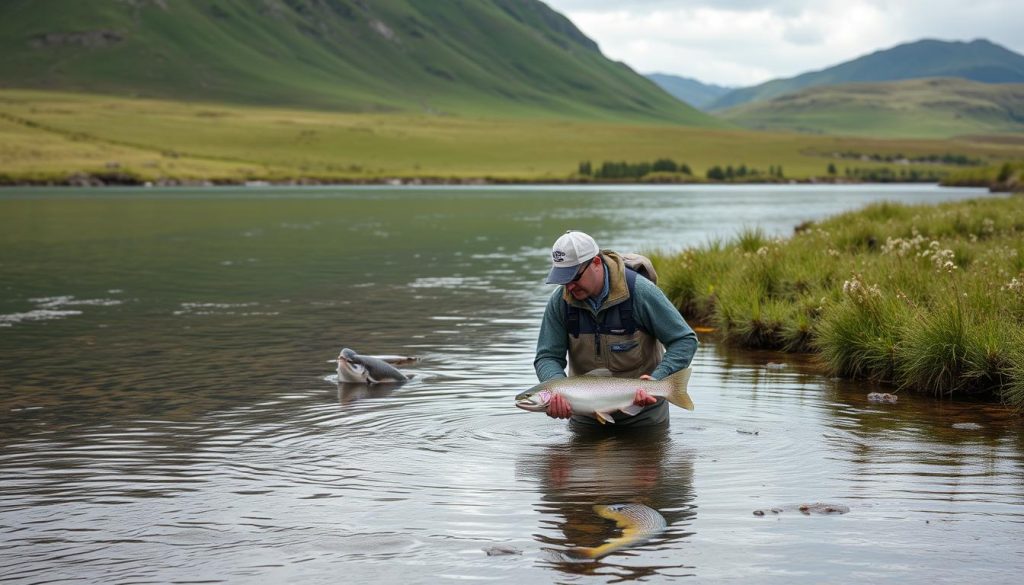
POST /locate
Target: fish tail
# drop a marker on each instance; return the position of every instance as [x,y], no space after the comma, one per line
[678,394]
[595,552]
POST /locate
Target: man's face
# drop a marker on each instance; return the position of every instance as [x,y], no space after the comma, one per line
[590,282]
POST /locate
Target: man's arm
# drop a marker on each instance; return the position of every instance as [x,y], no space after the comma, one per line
[656,314]
[552,342]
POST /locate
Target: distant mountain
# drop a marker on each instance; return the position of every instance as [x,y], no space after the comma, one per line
[978,60]
[691,91]
[917,108]
[468,57]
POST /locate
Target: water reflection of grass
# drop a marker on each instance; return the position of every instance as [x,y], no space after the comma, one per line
[929,298]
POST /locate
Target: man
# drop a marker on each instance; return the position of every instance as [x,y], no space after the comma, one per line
[606,316]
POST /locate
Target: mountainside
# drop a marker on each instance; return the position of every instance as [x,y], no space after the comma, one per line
[918,108]
[471,57]
[691,91]
[978,60]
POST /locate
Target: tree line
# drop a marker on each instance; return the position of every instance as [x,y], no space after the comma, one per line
[638,170]
[946,159]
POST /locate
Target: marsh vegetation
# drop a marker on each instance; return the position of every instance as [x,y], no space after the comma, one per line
[928,298]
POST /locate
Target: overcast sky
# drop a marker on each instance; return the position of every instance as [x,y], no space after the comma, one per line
[745,42]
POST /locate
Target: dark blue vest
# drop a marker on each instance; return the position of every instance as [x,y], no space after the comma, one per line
[618,321]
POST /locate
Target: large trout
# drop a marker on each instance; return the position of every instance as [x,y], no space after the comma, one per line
[600,396]
[638,523]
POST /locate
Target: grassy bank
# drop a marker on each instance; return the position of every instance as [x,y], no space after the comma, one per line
[1007,177]
[929,298]
[49,136]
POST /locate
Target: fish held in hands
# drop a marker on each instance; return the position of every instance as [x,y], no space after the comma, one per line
[600,396]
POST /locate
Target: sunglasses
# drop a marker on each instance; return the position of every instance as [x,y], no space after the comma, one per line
[579,274]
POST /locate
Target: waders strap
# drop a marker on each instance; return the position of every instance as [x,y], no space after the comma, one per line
[626,321]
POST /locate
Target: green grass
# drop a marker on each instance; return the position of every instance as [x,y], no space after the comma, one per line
[929,298]
[1008,176]
[920,108]
[48,135]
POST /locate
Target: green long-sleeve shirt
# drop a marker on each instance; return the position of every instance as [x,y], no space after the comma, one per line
[652,311]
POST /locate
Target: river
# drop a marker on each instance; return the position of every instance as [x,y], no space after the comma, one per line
[167,412]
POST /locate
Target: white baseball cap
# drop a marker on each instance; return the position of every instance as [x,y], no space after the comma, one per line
[570,251]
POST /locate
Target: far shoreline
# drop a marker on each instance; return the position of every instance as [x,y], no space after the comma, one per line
[89,181]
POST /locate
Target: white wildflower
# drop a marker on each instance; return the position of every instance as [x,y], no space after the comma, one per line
[860,292]
[1016,285]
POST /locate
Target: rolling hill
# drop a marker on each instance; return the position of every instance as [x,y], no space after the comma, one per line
[691,91]
[978,60]
[918,108]
[495,58]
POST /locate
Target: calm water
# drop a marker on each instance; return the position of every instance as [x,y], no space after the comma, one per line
[167,413]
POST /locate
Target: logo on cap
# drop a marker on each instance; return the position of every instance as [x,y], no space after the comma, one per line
[557,256]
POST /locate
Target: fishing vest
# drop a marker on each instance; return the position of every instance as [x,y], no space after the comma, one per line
[612,339]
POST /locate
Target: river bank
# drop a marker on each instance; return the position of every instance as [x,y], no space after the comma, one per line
[927,298]
[122,179]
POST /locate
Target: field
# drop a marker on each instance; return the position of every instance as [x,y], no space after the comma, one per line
[919,108]
[49,136]
[928,298]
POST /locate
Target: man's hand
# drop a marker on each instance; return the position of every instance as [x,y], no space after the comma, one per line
[559,407]
[642,398]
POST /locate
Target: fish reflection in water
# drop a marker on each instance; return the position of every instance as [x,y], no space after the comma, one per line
[638,523]
[349,393]
[638,466]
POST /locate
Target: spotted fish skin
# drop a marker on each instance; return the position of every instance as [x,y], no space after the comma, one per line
[600,396]
[638,523]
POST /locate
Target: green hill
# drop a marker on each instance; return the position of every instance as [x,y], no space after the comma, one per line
[918,108]
[505,58]
[978,60]
[697,94]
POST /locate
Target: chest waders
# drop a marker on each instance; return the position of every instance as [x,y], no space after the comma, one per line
[612,340]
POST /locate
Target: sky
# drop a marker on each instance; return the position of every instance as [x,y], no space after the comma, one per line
[746,42]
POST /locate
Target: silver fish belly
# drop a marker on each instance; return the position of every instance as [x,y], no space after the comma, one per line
[600,396]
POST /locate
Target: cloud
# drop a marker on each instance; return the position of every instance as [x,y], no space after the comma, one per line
[744,42]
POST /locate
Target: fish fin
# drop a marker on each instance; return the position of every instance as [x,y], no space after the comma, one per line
[632,409]
[678,395]
[604,417]
[602,372]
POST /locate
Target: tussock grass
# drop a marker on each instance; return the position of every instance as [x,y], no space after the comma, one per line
[929,298]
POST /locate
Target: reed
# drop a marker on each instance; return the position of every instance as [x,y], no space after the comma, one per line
[929,298]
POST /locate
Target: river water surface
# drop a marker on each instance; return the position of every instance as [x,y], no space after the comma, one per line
[168,415]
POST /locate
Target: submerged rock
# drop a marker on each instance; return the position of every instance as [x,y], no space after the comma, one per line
[820,508]
[883,397]
[968,426]
[817,508]
[499,550]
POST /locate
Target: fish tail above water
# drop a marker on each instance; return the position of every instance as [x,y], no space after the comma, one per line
[638,523]
[677,394]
